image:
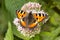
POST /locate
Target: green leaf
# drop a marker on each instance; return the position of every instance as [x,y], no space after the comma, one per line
[56,3]
[46,35]
[3,21]
[9,34]
[50,35]
[37,37]
[58,38]
[55,19]
[18,34]
[55,33]
[31,38]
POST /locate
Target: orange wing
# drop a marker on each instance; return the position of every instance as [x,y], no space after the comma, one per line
[33,24]
[39,17]
[20,13]
[23,23]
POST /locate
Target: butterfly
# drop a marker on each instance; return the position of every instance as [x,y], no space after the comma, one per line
[30,20]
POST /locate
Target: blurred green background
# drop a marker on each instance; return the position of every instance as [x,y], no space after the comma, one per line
[49,31]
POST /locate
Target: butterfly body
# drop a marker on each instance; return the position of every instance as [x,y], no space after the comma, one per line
[30,20]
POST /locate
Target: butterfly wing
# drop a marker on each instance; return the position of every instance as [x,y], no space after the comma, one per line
[20,14]
[39,17]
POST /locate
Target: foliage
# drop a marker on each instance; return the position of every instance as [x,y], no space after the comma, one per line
[9,34]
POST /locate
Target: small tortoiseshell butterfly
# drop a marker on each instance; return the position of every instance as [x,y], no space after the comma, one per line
[30,19]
